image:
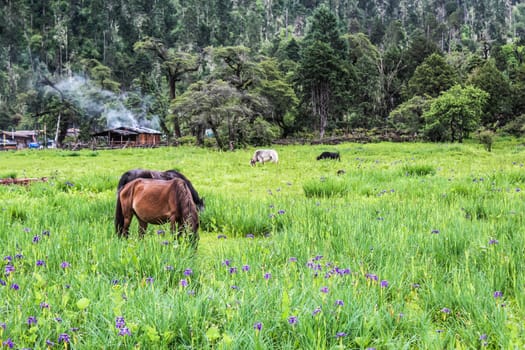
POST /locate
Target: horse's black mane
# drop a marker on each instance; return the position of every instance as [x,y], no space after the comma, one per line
[133,174]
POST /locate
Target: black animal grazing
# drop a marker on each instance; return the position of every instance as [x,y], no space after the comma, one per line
[157,202]
[131,175]
[329,155]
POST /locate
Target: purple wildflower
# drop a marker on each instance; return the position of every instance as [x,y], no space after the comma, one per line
[384,283]
[183,283]
[169,268]
[250,235]
[267,276]
[226,262]
[65,264]
[9,268]
[150,280]
[483,337]
[371,276]
[161,232]
[45,233]
[44,305]
[49,343]
[15,286]
[246,268]
[435,231]
[31,320]
[324,290]
[340,334]
[120,322]
[63,338]
[124,331]
[2,282]
[19,256]
[36,239]
[27,229]
[316,311]
[281,212]
[445,310]
[9,343]
[493,241]
[40,263]
[292,320]
[8,258]
[233,270]
[292,259]
[221,237]
[188,272]
[339,302]
[498,294]
[257,326]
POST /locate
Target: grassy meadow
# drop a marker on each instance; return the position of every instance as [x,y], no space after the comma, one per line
[414,246]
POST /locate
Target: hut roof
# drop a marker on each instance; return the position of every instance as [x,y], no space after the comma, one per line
[28,134]
[126,130]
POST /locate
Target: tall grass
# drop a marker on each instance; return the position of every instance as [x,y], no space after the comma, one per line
[415,246]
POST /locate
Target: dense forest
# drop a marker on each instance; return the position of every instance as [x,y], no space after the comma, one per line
[255,71]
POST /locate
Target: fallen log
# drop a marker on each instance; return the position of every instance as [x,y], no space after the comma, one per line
[24,181]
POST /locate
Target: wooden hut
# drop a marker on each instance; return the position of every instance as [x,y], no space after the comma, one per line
[124,136]
[17,139]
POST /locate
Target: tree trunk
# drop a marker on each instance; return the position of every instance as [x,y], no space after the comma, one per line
[320,105]
[217,138]
[172,79]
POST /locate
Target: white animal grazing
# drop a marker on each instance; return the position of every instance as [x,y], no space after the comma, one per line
[263,156]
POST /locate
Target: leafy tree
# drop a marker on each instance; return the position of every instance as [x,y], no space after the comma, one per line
[279,94]
[455,113]
[235,65]
[418,50]
[219,106]
[431,77]
[408,116]
[322,72]
[100,74]
[491,80]
[175,64]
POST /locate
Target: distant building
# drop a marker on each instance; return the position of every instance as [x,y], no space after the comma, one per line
[17,139]
[130,137]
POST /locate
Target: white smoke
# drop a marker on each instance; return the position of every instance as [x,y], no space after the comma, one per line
[98,103]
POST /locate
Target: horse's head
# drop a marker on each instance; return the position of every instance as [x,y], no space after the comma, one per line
[253,161]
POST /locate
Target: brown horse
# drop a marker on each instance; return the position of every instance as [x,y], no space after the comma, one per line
[157,202]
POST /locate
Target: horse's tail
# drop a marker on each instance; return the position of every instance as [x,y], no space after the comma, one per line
[119,216]
[189,211]
[199,202]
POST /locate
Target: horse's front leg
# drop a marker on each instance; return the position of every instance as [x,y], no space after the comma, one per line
[143,225]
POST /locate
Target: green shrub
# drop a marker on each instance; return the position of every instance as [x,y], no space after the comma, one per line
[418,170]
[486,138]
[325,187]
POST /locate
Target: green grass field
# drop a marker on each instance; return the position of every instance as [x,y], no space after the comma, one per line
[415,246]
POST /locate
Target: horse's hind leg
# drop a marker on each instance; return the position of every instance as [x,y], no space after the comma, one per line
[143,225]
[124,231]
